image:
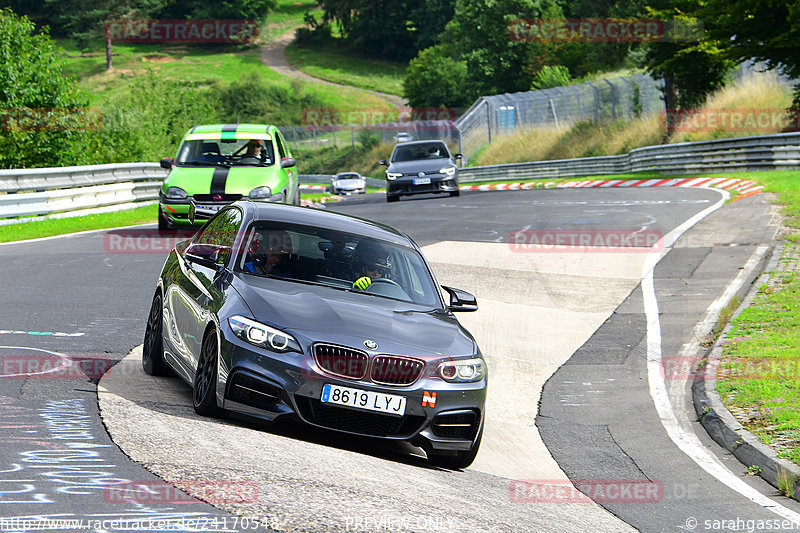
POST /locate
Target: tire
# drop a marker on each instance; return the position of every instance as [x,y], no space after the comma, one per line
[153,362]
[296,199]
[455,193]
[204,392]
[458,460]
[391,199]
[163,225]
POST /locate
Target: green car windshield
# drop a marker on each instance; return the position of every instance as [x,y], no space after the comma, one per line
[227,152]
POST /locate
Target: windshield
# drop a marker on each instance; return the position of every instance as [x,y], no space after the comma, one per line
[348,177]
[324,257]
[415,152]
[227,152]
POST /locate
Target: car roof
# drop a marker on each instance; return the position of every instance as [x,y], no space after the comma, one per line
[427,141]
[348,173]
[308,216]
[230,128]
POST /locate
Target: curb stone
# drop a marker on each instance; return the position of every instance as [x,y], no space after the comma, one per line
[718,420]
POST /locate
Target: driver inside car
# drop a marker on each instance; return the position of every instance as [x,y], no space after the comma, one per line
[370,262]
[272,254]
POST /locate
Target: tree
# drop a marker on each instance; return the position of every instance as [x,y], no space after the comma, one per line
[225,9]
[479,35]
[86,20]
[43,113]
[763,30]
[434,79]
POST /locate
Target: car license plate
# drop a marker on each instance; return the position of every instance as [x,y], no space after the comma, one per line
[422,181]
[364,399]
[212,207]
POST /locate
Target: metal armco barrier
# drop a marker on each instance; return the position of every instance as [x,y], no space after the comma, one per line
[765,152]
[45,191]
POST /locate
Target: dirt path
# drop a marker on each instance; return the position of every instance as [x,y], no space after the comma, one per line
[273,55]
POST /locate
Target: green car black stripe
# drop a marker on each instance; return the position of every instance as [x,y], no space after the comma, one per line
[218,180]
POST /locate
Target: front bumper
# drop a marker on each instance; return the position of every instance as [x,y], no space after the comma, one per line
[405,186]
[268,385]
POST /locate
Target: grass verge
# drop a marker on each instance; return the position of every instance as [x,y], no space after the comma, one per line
[59,226]
[758,373]
[331,62]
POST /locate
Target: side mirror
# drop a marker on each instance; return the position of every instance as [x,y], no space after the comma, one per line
[383,162]
[208,255]
[198,212]
[461,301]
[458,156]
[166,163]
[287,162]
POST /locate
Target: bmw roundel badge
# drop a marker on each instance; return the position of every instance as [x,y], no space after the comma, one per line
[371,345]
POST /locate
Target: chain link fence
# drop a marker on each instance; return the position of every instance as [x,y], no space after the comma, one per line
[315,137]
[607,99]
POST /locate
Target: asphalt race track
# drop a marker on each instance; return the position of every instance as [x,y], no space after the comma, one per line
[569,338]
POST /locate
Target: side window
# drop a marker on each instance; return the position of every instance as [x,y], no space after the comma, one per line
[281,150]
[222,231]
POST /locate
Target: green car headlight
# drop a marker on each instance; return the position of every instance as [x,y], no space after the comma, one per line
[259,193]
[462,371]
[263,335]
[176,193]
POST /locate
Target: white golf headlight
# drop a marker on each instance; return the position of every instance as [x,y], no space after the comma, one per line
[448,171]
[393,175]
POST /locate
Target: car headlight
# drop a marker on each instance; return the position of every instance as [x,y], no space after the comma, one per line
[393,175]
[448,171]
[259,193]
[262,335]
[176,193]
[462,371]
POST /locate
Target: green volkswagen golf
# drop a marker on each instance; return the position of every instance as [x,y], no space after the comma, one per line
[221,163]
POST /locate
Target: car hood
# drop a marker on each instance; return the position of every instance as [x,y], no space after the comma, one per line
[324,314]
[421,165]
[349,182]
[237,180]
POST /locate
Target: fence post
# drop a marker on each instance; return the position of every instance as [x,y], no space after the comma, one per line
[488,122]
[352,137]
[596,101]
[613,100]
[630,96]
[294,137]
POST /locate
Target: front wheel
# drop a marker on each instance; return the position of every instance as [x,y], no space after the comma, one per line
[455,193]
[204,396]
[458,460]
[391,199]
[153,349]
[296,199]
[163,225]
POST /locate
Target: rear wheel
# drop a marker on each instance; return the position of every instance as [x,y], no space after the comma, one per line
[391,199]
[153,349]
[455,193]
[204,396]
[457,460]
[296,199]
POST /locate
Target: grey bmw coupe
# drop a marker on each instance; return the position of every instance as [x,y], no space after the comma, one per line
[275,311]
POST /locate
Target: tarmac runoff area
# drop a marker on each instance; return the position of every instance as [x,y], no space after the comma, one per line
[543,307]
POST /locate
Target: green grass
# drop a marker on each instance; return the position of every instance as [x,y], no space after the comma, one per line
[59,226]
[334,63]
[202,65]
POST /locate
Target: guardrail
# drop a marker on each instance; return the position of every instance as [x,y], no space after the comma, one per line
[780,151]
[48,191]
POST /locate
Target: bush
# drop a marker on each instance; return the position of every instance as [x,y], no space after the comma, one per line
[551,76]
[368,139]
[434,79]
[251,99]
